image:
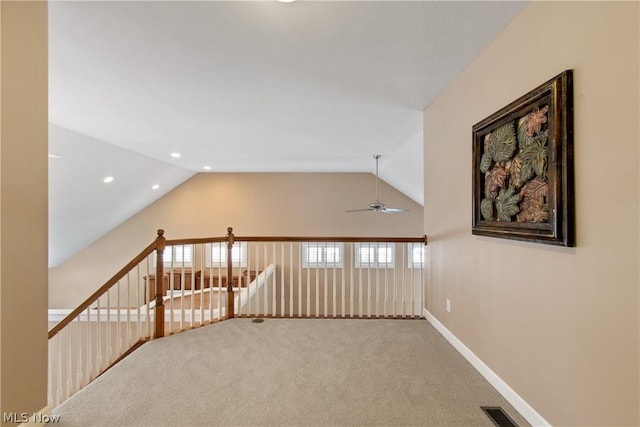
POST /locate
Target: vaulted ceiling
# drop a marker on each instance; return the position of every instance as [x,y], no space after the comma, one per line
[244,87]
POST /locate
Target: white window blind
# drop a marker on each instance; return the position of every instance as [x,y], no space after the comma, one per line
[374,255]
[322,254]
[415,258]
[217,255]
[178,256]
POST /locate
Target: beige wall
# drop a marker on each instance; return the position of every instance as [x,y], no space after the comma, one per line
[23,198]
[258,204]
[559,325]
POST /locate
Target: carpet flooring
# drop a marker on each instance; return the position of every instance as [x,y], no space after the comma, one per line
[291,372]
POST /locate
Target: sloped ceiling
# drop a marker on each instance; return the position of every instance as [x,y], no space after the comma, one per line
[241,87]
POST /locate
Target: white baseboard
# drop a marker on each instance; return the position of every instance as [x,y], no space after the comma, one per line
[520,405]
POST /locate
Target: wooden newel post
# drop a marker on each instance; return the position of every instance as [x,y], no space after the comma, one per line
[230,296]
[159,309]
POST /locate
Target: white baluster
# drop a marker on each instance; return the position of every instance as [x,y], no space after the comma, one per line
[59,390]
[351,280]
[404,290]
[291,301]
[98,338]
[360,295]
[220,293]
[138,304]
[129,331]
[50,372]
[69,356]
[265,285]
[317,274]
[257,312]
[79,361]
[274,301]
[413,290]
[343,283]
[308,313]
[109,351]
[334,312]
[118,325]
[300,255]
[325,309]
[90,355]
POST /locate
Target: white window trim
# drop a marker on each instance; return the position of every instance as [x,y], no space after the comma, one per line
[238,247]
[322,246]
[375,263]
[411,263]
[167,256]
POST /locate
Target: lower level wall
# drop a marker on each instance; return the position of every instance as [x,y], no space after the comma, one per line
[254,204]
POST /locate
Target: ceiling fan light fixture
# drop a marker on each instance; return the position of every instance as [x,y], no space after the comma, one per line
[378,206]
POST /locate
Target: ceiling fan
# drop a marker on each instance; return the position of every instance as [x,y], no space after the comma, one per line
[378,206]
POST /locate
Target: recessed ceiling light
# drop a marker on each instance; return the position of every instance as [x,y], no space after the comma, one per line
[175,155]
[108,179]
[54,156]
[207,168]
[286,1]
[155,187]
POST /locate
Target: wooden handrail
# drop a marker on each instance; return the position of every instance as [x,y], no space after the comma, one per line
[195,241]
[422,239]
[200,240]
[230,238]
[104,288]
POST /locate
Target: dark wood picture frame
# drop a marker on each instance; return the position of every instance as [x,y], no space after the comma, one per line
[523,186]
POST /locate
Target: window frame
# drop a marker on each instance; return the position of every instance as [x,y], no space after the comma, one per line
[241,247]
[322,263]
[375,263]
[410,255]
[170,261]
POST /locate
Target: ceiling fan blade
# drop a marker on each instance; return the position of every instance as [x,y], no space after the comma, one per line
[394,210]
[358,210]
[378,206]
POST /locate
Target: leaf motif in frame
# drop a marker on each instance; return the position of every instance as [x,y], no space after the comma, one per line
[485,162]
[486,209]
[503,143]
[507,204]
[536,189]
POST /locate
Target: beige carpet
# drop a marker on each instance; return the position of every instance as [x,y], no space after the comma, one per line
[291,372]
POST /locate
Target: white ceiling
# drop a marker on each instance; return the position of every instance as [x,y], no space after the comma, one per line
[241,86]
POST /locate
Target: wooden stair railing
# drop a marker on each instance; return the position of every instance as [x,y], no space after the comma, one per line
[258,289]
[157,243]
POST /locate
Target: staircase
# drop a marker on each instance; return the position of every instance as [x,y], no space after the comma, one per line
[207,280]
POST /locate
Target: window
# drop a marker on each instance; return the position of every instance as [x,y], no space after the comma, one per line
[322,254]
[416,255]
[374,255]
[217,255]
[178,256]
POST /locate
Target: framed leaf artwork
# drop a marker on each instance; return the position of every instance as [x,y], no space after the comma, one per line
[523,167]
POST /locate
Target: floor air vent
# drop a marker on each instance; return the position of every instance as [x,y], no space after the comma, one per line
[257,321]
[498,416]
